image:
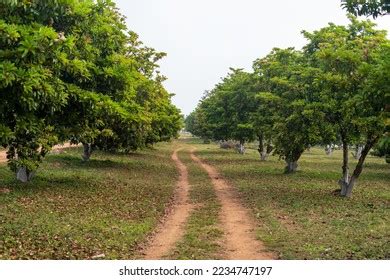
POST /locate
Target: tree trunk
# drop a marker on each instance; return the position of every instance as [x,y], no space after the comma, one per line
[329,150]
[344,181]
[358,151]
[87,151]
[291,166]
[359,167]
[264,155]
[241,147]
[262,149]
[23,175]
[270,148]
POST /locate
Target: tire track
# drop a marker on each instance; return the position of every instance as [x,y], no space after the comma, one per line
[173,228]
[238,226]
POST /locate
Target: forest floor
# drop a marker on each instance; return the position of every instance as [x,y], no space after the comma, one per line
[188,200]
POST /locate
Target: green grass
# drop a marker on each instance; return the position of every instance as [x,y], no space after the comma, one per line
[202,239]
[299,216]
[77,210]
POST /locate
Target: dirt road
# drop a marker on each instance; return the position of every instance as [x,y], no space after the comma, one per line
[238,225]
[172,229]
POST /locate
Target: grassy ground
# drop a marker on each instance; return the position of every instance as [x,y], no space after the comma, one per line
[299,216]
[203,236]
[76,210]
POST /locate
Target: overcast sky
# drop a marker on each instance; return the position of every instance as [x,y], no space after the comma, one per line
[203,38]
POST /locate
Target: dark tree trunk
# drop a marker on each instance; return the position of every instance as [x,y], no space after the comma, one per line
[262,149]
[88,150]
[270,148]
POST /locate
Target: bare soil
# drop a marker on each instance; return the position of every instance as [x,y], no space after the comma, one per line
[172,229]
[3,156]
[56,149]
[237,223]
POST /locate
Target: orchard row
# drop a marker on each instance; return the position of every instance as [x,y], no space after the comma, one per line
[334,91]
[72,71]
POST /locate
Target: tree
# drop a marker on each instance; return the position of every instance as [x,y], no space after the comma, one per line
[237,88]
[372,8]
[227,108]
[353,81]
[296,115]
[190,123]
[31,92]
[70,70]
[382,149]
[263,120]
[102,111]
[201,125]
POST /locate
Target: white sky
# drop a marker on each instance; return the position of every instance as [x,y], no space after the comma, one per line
[203,38]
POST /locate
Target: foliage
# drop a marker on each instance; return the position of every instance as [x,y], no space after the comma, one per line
[353,63]
[70,70]
[294,114]
[372,8]
[224,113]
[31,92]
[335,89]
[189,122]
[382,149]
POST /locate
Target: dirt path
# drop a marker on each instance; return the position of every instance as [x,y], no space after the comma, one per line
[173,228]
[3,156]
[240,240]
[56,148]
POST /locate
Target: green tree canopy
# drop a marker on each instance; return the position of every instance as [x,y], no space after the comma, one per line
[295,114]
[70,70]
[224,113]
[372,8]
[353,85]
